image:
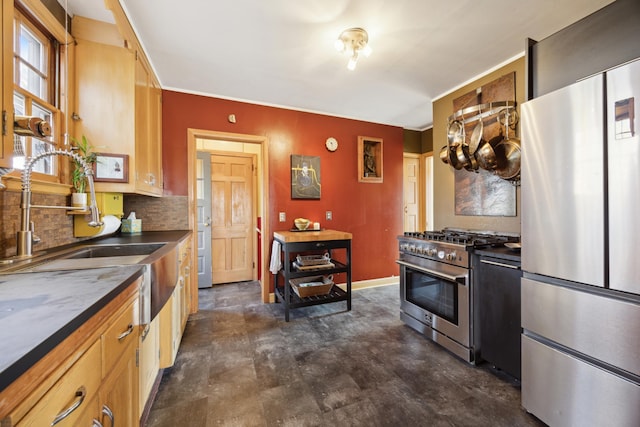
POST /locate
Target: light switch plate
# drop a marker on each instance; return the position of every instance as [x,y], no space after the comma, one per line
[283,217]
[329,215]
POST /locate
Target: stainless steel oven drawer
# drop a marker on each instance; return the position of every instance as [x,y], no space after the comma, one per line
[562,390]
[604,328]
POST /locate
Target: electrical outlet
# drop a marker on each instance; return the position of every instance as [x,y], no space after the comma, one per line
[329,215]
[283,217]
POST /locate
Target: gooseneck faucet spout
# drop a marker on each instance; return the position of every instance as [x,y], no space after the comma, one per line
[25,234]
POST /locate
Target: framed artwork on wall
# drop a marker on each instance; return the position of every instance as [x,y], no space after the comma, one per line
[369,159]
[305,177]
[111,168]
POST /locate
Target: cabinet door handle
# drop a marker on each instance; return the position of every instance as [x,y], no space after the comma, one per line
[106,411]
[126,333]
[78,399]
[499,264]
[96,423]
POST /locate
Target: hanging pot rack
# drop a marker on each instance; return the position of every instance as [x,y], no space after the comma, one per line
[482,111]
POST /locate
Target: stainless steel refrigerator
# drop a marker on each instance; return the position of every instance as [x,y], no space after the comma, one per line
[580,232]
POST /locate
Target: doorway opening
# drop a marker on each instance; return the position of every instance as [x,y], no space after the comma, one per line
[222,142]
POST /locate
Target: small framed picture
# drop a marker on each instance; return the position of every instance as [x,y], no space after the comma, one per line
[305,177]
[111,168]
[369,159]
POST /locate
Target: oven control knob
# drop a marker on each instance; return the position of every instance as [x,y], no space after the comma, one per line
[431,251]
[441,254]
[412,248]
[452,256]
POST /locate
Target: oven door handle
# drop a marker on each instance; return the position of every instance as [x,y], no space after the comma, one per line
[457,279]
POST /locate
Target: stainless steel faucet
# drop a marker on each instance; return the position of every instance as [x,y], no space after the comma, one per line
[25,235]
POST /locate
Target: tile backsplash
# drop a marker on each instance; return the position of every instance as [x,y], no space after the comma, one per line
[55,228]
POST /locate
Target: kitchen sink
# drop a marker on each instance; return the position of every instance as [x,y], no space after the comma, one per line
[159,259]
[102,251]
[76,263]
[89,256]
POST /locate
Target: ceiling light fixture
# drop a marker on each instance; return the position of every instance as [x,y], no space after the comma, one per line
[354,41]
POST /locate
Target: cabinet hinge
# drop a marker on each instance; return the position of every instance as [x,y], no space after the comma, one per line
[137,357]
[4,122]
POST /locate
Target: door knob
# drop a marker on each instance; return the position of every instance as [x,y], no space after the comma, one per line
[207,221]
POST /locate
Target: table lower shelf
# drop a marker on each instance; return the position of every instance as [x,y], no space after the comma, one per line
[336,294]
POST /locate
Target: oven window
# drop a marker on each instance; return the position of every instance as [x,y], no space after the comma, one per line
[438,296]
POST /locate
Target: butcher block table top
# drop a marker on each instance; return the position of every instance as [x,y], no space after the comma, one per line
[288,236]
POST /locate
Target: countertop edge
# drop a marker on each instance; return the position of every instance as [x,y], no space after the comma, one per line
[22,365]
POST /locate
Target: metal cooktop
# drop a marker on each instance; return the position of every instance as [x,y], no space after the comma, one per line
[450,245]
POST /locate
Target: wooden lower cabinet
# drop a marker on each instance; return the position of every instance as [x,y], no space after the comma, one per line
[119,391]
[75,394]
[170,328]
[149,360]
[96,376]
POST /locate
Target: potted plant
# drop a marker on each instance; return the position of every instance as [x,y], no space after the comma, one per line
[78,176]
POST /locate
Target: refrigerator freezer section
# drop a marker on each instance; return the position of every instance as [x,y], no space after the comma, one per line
[563,390]
[600,327]
[623,149]
[563,183]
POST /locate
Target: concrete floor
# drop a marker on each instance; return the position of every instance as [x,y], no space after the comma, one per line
[241,364]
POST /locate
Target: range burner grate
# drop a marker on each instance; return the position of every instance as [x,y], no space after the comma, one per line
[464,237]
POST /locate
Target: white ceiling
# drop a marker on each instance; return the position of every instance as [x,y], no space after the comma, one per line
[281,52]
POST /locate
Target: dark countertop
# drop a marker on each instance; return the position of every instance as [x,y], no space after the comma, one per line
[40,310]
[144,237]
[501,252]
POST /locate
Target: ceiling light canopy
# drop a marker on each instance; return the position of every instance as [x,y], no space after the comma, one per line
[354,41]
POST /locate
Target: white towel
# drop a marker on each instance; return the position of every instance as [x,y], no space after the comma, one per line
[275,264]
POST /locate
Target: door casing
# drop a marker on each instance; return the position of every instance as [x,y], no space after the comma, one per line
[263,211]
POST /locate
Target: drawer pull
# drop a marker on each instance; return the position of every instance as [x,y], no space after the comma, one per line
[79,398]
[499,264]
[96,423]
[126,333]
[106,411]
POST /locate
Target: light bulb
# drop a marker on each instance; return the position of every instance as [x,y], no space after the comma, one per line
[366,51]
[352,63]
[339,44]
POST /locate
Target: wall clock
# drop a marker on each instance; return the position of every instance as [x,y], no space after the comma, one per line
[331,144]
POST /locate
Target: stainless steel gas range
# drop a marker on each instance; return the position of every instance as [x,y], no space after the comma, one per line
[436,290]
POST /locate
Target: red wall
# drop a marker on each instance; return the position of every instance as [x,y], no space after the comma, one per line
[371,212]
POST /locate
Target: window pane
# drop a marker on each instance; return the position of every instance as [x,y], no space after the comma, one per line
[31,49]
[46,164]
[32,81]
[19,104]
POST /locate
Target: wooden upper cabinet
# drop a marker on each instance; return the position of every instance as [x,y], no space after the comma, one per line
[118,105]
[148,139]
[6,81]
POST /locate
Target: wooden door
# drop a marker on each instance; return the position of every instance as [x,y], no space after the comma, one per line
[203,218]
[411,188]
[232,218]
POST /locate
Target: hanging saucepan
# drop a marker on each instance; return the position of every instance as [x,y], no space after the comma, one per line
[464,156]
[444,154]
[485,155]
[454,132]
[476,137]
[455,136]
[508,155]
